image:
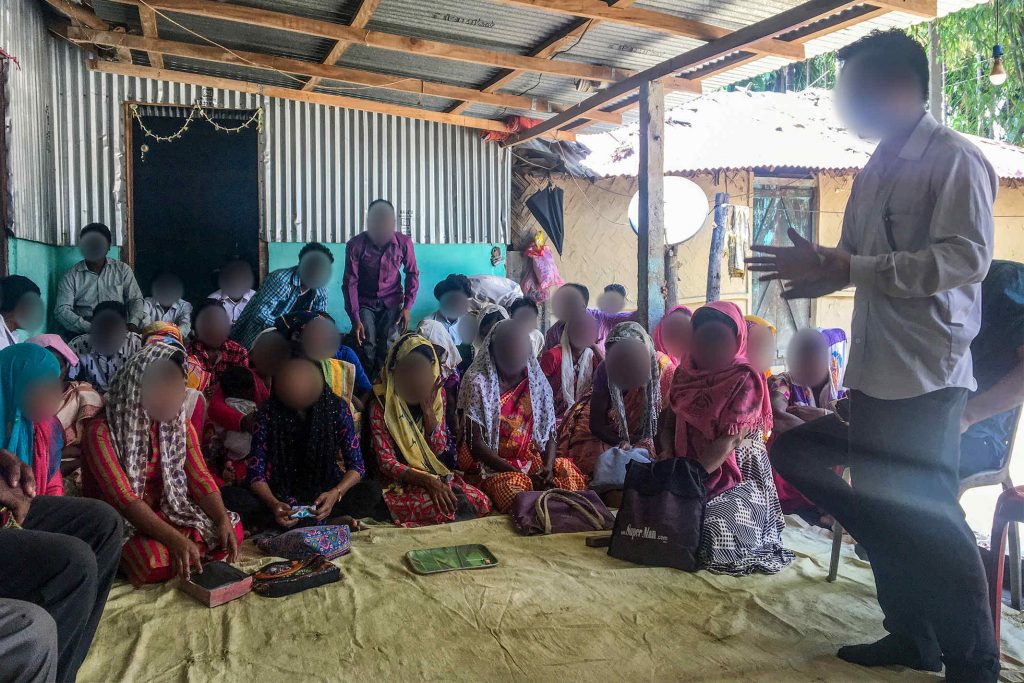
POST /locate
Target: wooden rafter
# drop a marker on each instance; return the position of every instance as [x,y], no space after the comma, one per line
[658,21]
[800,15]
[147,17]
[360,20]
[84,16]
[355,34]
[312,69]
[303,96]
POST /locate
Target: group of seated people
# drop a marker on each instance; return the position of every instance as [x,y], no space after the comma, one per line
[198,430]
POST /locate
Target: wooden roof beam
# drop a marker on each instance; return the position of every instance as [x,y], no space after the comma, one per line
[296,66]
[660,22]
[253,16]
[302,96]
[360,20]
[84,16]
[147,17]
[795,17]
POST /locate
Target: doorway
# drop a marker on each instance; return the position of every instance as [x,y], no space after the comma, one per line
[780,204]
[194,200]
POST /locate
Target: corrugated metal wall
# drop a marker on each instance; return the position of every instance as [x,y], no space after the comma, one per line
[28,124]
[321,165]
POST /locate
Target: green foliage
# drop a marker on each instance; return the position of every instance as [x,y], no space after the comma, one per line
[972,104]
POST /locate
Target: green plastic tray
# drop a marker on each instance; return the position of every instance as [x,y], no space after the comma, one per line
[451,558]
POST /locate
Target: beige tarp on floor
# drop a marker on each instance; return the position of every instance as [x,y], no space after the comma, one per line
[554,610]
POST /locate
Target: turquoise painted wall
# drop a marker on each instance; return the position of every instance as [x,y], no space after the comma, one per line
[45,264]
[436,261]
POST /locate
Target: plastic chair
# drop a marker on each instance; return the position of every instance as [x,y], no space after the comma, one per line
[1009,511]
[988,478]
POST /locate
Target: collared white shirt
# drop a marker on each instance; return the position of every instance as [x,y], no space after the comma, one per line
[7,336]
[920,228]
[180,314]
[452,326]
[234,308]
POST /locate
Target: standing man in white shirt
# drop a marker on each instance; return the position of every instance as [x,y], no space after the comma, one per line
[235,280]
[94,279]
[916,243]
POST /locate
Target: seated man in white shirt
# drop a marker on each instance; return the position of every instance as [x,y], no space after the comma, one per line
[21,308]
[235,280]
[453,296]
[165,303]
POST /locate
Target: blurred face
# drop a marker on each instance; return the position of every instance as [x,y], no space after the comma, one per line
[526,317]
[167,291]
[807,358]
[236,279]
[454,305]
[566,301]
[760,347]
[213,326]
[582,330]
[487,323]
[108,332]
[163,390]
[42,399]
[299,383]
[511,349]
[315,270]
[320,339]
[93,247]
[28,314]
[64,367]
[870,107]
[677,332]
[628,363]
[414,377]
[611,302]
[714,346]
[268,354]
[380,224]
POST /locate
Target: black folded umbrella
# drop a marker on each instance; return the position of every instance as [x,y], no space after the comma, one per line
[546,207]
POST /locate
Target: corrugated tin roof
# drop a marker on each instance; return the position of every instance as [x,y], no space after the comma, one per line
[493,25]
[742,130]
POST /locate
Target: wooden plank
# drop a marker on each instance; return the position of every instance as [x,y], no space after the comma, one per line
[301,96]
[661,22]
[851,17]
[651,180]
[928,9]
[360,20]
[86,17]
[357,34]
[258,60]
[147,17]
[772,26]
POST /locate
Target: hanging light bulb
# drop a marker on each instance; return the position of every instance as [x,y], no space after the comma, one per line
[997,76]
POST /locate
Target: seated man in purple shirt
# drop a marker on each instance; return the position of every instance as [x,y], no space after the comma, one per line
[571,297]
[375,298]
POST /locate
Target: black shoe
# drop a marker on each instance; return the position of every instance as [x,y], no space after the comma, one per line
[889,651]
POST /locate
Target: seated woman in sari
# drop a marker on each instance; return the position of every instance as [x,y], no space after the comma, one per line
[414,447]
[305,452]
[142,456]
[79,404]
[449,357]
[318,336]
[817,362]
[210,344]
[30,394]
[570,366]
[509,433]
[672,340]
[719,414]
[621,408]
[197,378]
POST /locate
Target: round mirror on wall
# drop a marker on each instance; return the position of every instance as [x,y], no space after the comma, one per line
[686,209]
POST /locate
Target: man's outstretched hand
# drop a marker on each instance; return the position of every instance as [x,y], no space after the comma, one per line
[807,270]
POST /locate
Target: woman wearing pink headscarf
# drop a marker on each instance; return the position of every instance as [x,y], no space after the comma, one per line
[671,339]
[80,403]
[720,413]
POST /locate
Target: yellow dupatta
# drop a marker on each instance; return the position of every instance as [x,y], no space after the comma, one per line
[406,431]
[340,377]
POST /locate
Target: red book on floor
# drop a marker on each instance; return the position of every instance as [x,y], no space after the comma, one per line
[218,583]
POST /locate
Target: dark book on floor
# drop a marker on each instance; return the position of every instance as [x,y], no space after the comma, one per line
[217,584]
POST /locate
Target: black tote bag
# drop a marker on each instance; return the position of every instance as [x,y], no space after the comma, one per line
[659,522]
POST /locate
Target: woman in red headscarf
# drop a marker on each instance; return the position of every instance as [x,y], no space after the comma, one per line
[720,412]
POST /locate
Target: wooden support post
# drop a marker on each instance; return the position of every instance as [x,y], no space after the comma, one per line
[671,278]
[651,242]
[717,247]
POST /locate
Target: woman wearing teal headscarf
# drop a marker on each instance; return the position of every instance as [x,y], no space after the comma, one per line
[30,396]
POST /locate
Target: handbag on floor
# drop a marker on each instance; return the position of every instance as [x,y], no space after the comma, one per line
[659,522]
[557,511]
[330,540]
[279,579]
